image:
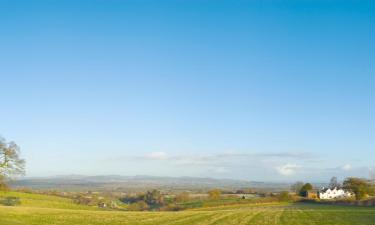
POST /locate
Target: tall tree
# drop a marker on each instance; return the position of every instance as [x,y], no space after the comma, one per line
[334,183]
[296,187]
[10,162]
[154,198]
[359,186]
[305,188]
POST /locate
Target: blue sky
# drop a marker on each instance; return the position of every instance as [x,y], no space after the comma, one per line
[258,90]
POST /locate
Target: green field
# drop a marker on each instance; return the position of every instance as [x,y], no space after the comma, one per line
[43,210]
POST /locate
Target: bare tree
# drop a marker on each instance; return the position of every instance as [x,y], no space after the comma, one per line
[333,183]
[296,187]
[10,162]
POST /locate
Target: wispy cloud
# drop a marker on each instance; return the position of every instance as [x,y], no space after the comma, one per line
[281,162]
[222,156]
[255,165]
[287,169]
[156,156]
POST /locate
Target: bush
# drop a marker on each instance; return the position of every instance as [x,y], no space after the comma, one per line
[10,201]
[172,207]
[138,206]
[284,196]
[214,194]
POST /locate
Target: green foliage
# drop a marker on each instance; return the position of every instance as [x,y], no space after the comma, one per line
[138,206]
[10,201]
[304,189]
[360,187]
[154,198]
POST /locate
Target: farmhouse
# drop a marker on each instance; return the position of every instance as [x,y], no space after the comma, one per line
[328,193]
[312,194]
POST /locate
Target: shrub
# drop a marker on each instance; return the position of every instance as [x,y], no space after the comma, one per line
[284,196]
[214,194]
[138,206]
[10,201]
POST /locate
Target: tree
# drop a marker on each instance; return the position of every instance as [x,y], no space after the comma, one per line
[10,162]
[305,188]
[296,187]
[154,198]
[360,187]
[333,183]
[214,194]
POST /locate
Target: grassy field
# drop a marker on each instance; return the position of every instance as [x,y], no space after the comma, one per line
[49,210]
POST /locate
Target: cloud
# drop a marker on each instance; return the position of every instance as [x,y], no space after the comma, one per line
[287,169]
[209,158]
[347,167]
[252,165]
[232,161]
[156,156]
[217,161]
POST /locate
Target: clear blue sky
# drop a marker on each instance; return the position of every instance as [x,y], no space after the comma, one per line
[259,90]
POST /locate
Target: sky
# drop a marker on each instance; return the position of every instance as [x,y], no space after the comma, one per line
[253,90]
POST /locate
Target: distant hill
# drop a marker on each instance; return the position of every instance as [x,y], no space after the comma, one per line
[139,183]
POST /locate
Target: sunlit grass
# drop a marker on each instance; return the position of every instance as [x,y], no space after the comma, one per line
[48,210]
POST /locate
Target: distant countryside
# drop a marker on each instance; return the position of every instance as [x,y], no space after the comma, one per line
[126,200]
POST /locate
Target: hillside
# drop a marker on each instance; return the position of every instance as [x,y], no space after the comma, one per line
[43,210]
[44,201]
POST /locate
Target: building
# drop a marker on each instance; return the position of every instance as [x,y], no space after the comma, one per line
[312,194]
[334,193]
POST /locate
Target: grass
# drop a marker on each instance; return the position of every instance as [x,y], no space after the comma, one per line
[60,211]
[44,201]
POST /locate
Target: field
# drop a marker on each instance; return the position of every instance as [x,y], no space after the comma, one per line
[49,210]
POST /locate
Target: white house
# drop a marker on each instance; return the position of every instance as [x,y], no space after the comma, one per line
[327,193]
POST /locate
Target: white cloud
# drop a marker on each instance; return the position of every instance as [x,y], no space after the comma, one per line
[251,165]
[287,169]
[346,167]
[157,156]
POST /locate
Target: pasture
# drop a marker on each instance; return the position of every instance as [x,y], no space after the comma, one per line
[49,210]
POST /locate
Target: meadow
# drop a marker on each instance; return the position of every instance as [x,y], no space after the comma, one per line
[50,210]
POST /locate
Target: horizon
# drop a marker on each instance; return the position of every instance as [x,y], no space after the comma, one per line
[62,176]
[270,91]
